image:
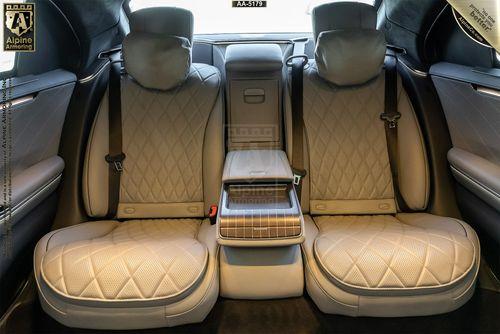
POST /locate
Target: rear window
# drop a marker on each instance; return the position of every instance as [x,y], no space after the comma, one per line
[7,58]
[219,16]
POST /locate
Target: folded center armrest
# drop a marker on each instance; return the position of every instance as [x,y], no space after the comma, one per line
[259,205]
[257,165]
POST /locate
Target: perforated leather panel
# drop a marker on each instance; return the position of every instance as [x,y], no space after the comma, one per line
[163,134]
[138,260]
[381,252]
[346,139]
[164,140]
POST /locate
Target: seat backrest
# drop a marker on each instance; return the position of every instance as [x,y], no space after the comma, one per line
[172,118]
[346,148]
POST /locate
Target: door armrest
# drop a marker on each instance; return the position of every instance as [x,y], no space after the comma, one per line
[477,174]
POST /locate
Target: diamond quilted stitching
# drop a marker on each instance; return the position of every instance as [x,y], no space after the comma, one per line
[163,133]
[382,252]
[139,259]
[347,145]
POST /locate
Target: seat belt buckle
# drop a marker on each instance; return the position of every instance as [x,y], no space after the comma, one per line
[391,119]
[117,161]
[212,214]
[298,174]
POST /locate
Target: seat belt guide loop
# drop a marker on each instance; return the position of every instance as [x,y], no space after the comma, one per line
[391,119]
[117,161]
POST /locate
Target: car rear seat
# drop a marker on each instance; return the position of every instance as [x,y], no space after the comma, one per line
[144,272]
[363,257]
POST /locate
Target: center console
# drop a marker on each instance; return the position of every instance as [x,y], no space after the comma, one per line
[259,227]
[259,224]
[259,206]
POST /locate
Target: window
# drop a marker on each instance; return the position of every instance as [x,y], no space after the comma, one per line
[7,58]
[218,16]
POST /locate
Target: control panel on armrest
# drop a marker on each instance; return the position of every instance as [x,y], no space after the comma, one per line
[259,206]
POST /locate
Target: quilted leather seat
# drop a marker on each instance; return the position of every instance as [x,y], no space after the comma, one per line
[363,256]
[155,265]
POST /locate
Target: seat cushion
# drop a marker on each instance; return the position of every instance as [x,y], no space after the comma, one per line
[135,260]
[396,253]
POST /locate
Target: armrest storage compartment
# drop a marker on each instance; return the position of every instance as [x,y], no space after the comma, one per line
[259,206]
[256,212]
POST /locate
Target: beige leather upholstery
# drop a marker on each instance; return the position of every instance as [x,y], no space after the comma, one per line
[164,135]
[382,252]
[138,259]
[347,149]
[261,273]
[134,304]
[362,257]
[248,165]
[334,296]
[142,272]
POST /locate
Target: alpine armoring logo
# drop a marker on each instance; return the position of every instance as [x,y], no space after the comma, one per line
[19,27]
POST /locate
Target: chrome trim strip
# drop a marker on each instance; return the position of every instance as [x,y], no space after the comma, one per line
[94,75]
[100,55]
[39,195]
[20,100]
[488,91]
[414,71]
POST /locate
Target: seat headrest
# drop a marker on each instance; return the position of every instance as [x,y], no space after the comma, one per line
[350,57]
[342,16]
[349,49]
[157,51]
[171,21]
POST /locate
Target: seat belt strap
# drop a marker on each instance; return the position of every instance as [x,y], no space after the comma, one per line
[391,117]
[115,156]
[297,62]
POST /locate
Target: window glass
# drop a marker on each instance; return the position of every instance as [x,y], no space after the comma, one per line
[7,58]
[218,16]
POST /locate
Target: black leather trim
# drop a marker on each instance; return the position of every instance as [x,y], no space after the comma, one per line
[427,106]
[79,118]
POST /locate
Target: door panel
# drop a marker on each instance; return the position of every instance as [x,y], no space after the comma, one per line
[37,123]
[38,111]
[471,102]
